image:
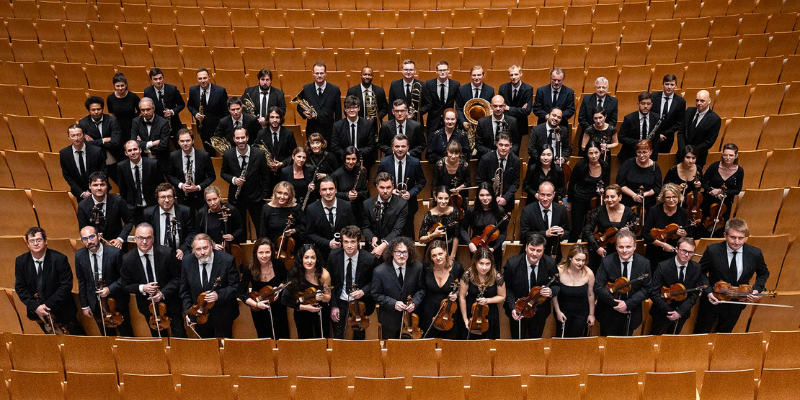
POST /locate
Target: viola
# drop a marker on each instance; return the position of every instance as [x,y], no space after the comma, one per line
[478,322]
[670,231]
[443,320]
[111,317]
[357,319]
[678,292]
[438,225]
[526,306]
[623,285]
[199,311]
[267,293]
[50,325]
[490,233]
[309,296]
[410,326]
[726,292]
[693,201]
[159,320]
[286,245]
[715,220]
[610,235]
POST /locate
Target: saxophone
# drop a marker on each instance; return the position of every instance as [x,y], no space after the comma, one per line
[371,111]
[304,104]
[415,103]
[248,105]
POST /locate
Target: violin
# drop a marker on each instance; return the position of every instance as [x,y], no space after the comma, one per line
[357,319]
[410,328]
[438,225]
[286,245]
[609,236]
[640,213]
[200,310]
[159,320]
[623,285]
[478,322]
[597,200]
[309,296]
[111,317]
[670,231]
[678,292]
[715,220]
[457,200]
[526,306]
[490,233]
[694,199]
[443,320]
[267,293]
[50,325]
[725,292]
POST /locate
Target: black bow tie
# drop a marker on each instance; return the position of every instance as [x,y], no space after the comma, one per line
[148,122]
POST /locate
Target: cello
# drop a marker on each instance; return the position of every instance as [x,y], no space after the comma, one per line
[200,310]
[286,245]
[526,306]
[443,320]
[490,233]
[409,329]
[478,323]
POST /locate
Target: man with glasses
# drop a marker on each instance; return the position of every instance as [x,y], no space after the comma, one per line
[78,161]
[43,283]
[393,282]
[106,212]
[669,317]
[173,224]
[402,124]
[402,89]
[637,126]
[153,274]
[438,94]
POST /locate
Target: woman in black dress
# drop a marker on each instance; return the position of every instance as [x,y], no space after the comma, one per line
[209,220]
[308,273]
[543,171]
[573,308]
[448,216]
[483,213]
[261,272]
[123,104]
[351,181]
[662,214]
[452,171]
[589,175]
[612,214]
[726,172]
[322,161]
[640,173]
[439,275]
[275,216]
[299,175]
[601,133]
[484,285]
[439,141]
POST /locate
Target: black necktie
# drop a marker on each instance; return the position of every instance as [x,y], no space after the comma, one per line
[203,101]
[353,135]
[666,105]
[546,211]
[477,93]
[555,97]
[680,275]
[514,94]
[244,161]
[330,215]
[96,267]
[441,92]
[497,128]
[643,133]
[349,275]
[400,172]
[39,277]
[139,194]
[264,104]
[82,166]
[237,125]
[532,278]
[149,269]
[408,92]
[599,103]
[204,276]
[400,275]
[503,164]
[625,268]
[274,140]
[695,120]
[399,129]
[99,126]
[734,268]
[319,92]
[169,240]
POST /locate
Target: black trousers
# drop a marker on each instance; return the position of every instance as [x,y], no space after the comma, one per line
[176,325]
[263,322]
[724,315]
[663,326]
[254,208]
[208,331]
[576,326]
[579,208]
[340,328]
[308,324]
[124,329]
[615,323]
[532,328]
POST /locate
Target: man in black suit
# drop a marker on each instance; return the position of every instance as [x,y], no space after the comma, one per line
[264,96]
[438,94]
[279,141]
[550,133]
[326,100]
[403,89]
[492,125]
[138,178]
[102,130]
[78,161]
[547,219]
[408,177]
[672,109]
[168,101]
[401,124]
[173,224]
[152,132]
[354,131]
[99,262]
[384,215]
[599,99]
[153,274]
[620,315]
[392,283]
[351,277]
[509,163]
[254,182]
[473,90]
[668,318]
[521,273]
[327,216]
[554,95]
[214,101]
[201,271]
[235,120]
[700,128]
[360,92]
[637,126]
[106,212]
[518,97]
[734,262]
[191,171]
[43,282]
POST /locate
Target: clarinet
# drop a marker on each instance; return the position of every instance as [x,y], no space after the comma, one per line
[652,133]
[239,188]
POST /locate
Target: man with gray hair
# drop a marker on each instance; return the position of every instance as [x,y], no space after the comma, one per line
[152,133]
[599,99]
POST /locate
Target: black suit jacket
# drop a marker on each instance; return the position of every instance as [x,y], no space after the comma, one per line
[487,167]
[434,106]
[484,135]
[215,110]
[226,308]
[413,175]
[390,226]
[318,228]
[589,103]
[539,138]
[520,107]
[249,122]
[95,160]
[172,100]
[204,174]
[666,275]
[702,136]
[543,103]
[286,144]
[274,99]
[380,98]
[416,137]
[365,138]
[673,120]
[397,90]
[256,182]
[465,93]
[168,276]
[158,131]
[117,222]
[111,130]
[611,269]
[363,278]
[629,135]
[387,290]
[532,221]
[56,289]
[715,263]
[328,107]
[151,177]
[186,231]
[87,284]
[515,274]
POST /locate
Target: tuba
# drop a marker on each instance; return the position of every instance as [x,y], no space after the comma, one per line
[371,110]
[415,103]
[248,105]
[220,144]
[474,110]
[304,104]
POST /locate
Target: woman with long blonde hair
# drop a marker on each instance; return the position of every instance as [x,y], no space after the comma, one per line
[574,305]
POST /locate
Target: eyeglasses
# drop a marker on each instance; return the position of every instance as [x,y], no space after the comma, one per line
[401,253]
[88,238]
[408,70]
[35,240]
[685,252]
[144,238]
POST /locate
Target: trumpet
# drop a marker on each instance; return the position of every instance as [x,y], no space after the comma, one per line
[474,110]
[248,105]
[304,104]
[201,112]
[371,111]
[415,103]
[220,144]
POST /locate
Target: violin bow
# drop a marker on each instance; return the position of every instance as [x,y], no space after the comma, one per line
[747,303]
[155,316]
[102,312]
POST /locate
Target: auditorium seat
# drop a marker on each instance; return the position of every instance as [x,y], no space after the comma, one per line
[684,353]
[578,34]
[108,53]
[356,358]
[38,74]
[495,17]
[143,387]
[631,79]
[789,214]
[759,207]
[27,169]
[724,26]
[753,163]
[80,12]
[731,101]
[749,354]
[585,353]
[753,46]
[27,385]
[140,356]
[692,50]
[89,354]
[197,387]
[774,249]
[519,357]
[496,387]
[407,358]
[776,384]
[91,386]
[607,32]
[218,36]
[257,58]
[194,357]
[439,388]
[539,57]
[312,351]
[765,70]
[466,17]
[633,54]
[752,23]
[453,57]
[570,56]
[36,353]
[132,33]
[13,246]
[616,351]
[782,351]
[518,36]
[382,19]
[355,19]
[720,385]
[669,386]
[547,35]
[638,31]
[744,131]
[766,99]
[781,169]
[161,34]
[555,387]
[665,29]
[255,387]
[51,208]
[465,358]
[321,387]
[507,56]
[379,388]
[248,357]
[53,11]
[189,35]
[602,386]
[100,77]
[780,22]
[11,101]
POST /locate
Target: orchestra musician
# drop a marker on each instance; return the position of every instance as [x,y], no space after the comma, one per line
[199,272]
[408,176]
[447,217]
[351,181]
[138,179]
[452,171]
[686,173]
[637,173]
[236,119]
[360,92]
[518,97]
[636,127]
[550,133]
[672,108]
[123,104]
[301,176]
[490,126]
[475,89]
[401,124]
[574,306]
[280,142]
[590,174]
[107,212]
[661,215]
[78,161]
[439,95]
[210,221]
[402,89]
[191,171]
[327,216]
[440,140]
[507,165]
[102,130]
[214,100]
[483,284]
[483,213]
[612,214]
[97,262]
[323,161]
[43,283]
[173,224]
[265,96]
[153,133]
[350,267]
[734,262]
[276,214]
[393,282]
[383,216]
[621,315]
[601,131]
[546,218]
[726,172]
[439,273]
[543,171]
[326,100]
[700,127]
[245,168]
[354,131]
[153,273]
[523,272]
[168,101]
[267,316]
[555,95]
[599,99]
[308,272]
[670,317]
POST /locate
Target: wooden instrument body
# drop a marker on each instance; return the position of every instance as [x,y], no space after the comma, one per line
[490,233]
[159,311]
[410,327]
[717,208]
[108,307]
[444,318]
[727,292]
[200,310]
[357,319]
[267,293]
[286,244]
[669,232]
[622,285]
[678,292]
[478,322]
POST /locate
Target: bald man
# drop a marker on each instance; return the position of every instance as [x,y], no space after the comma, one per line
[700,128]
[152,132]
[492,125]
